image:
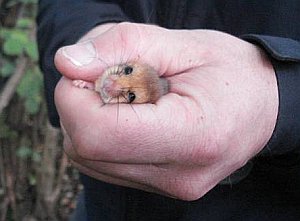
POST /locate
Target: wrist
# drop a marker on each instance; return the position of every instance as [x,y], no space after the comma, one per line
[285,57]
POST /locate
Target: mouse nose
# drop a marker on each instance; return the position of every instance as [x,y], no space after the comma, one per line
[110,87]
[107,83]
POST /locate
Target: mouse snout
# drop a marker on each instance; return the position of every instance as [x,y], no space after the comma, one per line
[110,87]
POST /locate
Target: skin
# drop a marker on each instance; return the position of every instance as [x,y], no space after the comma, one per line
[220,111]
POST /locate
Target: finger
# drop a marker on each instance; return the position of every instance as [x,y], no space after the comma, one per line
[176,182]
[119,174]
[167,179]
[116,181]
[105,171]
[153,45]
[96,132]
[155,177]
[156,184]
[134,134]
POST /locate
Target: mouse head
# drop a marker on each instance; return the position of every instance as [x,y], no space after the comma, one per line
[131,83]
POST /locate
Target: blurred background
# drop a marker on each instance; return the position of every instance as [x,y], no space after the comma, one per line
[36,180]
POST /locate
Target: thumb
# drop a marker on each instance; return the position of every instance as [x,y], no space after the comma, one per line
[160,48]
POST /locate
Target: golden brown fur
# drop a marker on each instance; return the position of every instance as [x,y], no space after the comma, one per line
[124,82]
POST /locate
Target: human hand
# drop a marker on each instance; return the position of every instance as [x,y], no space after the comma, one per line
[220,112]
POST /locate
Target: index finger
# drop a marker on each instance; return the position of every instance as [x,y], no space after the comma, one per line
[158,47]
[122,133]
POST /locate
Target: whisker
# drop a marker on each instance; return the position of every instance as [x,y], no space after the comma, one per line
[123,95]
[110,99]
[147,21]
[119,70]
[118,111]
[134,111]
[115,57]
[106,64]
[130,55]
[122,54]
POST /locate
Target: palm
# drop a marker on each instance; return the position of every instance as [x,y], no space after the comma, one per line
[220,111]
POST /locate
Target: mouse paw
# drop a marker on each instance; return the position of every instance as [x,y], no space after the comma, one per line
[83,84]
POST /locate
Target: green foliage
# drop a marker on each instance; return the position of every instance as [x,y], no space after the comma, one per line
[23,134]
[30,88]
[24,23]
[14,45]
[17,41]
[31,50]
[4,33]
[32,179]
[36,157]
[25,152]
[7,69]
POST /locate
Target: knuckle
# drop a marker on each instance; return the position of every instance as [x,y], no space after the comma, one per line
[82,147]
[127,30]
[127,35]
[185,189]
[187,192]
[124,25]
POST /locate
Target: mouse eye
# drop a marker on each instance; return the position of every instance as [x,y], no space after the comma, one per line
[131,97]
[128,70]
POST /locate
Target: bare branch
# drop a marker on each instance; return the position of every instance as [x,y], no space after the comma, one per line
[4,208]
[11,85]
[2,169]
[10,180]
[61,173]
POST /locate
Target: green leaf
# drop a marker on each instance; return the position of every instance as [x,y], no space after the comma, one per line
[5,33]
[36,157]
[32,105]
[15,44]
[24,152]
[32,179]
[24,23]
[30,84]
[32,51]
[20,35]
[30,88]
[7,69]
[12,47]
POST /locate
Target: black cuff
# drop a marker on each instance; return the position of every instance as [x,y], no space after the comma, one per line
[285,56]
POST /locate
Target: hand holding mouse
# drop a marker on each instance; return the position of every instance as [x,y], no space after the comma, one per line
[220,111]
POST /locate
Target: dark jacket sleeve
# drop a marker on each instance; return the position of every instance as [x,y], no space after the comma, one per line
[285,57]
[63,22]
